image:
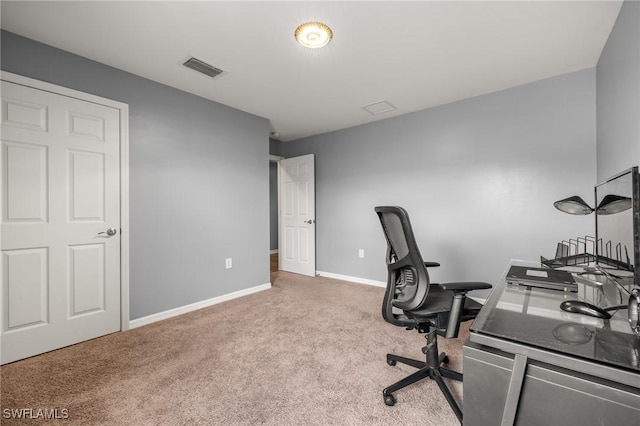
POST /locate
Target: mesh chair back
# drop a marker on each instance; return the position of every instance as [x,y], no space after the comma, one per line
[407,277]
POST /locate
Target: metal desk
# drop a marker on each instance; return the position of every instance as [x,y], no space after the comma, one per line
[527,362]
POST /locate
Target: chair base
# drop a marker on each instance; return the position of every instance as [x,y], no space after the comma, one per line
[432,370]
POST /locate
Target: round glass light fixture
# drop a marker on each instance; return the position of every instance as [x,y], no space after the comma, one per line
[313,34]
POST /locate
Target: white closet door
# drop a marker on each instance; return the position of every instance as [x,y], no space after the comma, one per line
[60,231]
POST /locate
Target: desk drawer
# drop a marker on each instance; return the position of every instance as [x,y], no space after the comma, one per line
[575,399]
[549,394]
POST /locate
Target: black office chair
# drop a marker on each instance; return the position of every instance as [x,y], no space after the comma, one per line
[411,301]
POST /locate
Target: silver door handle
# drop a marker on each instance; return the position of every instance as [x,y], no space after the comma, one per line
[310,221]
[110,232]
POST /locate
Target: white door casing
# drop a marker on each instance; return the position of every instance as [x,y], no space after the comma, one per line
[297,231]
[61,191]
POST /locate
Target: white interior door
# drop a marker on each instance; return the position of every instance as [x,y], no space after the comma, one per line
[60,230]
[297,235]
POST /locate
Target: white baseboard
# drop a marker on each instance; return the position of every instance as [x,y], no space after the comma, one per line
[139,322]
[352,279]
[273,251]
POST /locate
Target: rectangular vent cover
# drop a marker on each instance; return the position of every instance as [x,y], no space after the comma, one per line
[203,67]
[379,107]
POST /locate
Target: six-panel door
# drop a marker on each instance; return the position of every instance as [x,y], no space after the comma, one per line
[60,182]
[297,251]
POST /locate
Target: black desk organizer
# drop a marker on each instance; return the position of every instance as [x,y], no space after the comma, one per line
[582,251]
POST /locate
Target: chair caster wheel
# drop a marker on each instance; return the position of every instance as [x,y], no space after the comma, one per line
[391,362]
[389,400]
[443,358]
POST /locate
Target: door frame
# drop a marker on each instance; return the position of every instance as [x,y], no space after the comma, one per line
[124,173]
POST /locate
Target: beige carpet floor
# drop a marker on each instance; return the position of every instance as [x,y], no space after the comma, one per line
[309,351]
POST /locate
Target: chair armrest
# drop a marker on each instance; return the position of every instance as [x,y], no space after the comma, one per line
[464,286]
[431,264]
[457,304]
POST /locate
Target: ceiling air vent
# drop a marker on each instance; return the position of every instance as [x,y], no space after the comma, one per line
[203,67]
[379,107]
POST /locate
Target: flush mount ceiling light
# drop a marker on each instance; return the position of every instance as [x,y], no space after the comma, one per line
[313,34]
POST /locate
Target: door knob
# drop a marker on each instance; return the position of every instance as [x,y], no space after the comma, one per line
[110,232]
[310,221]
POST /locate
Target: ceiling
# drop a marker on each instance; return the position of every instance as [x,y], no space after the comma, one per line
[413,55]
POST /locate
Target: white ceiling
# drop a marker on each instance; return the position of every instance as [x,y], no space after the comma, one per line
[414,54]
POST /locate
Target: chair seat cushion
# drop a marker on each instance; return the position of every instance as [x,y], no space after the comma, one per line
[440,303]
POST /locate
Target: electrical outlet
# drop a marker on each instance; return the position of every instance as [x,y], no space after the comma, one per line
[361,253]
[228,262]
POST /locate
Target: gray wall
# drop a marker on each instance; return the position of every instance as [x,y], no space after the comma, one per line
[478,177]
[199,181]
[618,95]
[276,147]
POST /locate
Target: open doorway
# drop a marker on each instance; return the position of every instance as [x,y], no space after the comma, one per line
[273,212]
